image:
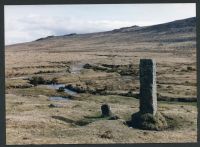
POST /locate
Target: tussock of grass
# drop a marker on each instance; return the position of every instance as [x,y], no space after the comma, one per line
[37,80]
[149,122]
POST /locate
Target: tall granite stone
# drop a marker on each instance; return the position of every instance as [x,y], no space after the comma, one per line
[148,90]
[148,118]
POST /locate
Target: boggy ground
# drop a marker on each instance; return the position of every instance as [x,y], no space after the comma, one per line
[176,74]
[104,68]
[30,120]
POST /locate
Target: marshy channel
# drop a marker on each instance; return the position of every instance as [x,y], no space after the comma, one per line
[127,73]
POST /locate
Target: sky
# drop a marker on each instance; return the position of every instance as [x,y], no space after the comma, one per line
[27,23]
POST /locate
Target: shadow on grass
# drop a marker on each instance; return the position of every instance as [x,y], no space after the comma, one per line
[83,122]
[93,117]
[66,120]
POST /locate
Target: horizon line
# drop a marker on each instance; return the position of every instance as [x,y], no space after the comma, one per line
[6,45]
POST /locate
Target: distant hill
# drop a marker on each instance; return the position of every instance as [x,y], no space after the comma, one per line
[186,25]
[134,38]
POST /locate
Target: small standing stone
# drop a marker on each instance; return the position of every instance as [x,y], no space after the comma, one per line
[105,110]
[148,90]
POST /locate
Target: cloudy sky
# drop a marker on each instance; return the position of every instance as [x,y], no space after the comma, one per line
[27,23]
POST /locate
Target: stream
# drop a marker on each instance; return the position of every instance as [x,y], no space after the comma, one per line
[66,90]
[57,98]
[76,68]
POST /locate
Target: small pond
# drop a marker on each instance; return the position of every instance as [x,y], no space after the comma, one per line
[57,98]
[68,91]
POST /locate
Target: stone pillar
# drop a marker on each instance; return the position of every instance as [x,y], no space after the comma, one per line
[148,90]
[105,110]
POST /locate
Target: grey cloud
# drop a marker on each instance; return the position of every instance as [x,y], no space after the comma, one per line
[34,26]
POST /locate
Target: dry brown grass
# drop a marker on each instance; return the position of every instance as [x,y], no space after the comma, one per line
[29,120]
